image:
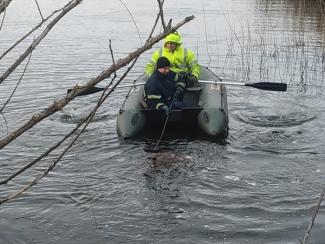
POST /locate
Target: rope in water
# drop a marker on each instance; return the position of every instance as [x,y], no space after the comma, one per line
[164,127]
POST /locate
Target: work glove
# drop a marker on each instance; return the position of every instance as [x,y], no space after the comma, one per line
[165,109]
[182,76]
[192,80]
[179,92]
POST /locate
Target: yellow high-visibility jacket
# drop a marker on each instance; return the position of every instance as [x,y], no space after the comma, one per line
[182,59]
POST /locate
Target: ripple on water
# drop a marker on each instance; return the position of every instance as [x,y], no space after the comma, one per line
[277,132]
[290,119]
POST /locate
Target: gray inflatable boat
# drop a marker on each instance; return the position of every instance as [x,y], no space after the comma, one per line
[208,111]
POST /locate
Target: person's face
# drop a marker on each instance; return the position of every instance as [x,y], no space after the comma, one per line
[164,70]
[171,46]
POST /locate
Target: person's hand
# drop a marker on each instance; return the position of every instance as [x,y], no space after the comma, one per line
[165,109]
[192,80]
[182,76]
[179,92]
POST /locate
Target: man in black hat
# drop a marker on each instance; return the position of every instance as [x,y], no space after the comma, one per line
[164,89]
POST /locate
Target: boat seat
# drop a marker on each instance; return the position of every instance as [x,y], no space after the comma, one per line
[194,88]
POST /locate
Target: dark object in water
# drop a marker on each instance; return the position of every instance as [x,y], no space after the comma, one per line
[168,159]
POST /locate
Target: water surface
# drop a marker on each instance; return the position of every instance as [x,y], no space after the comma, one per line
[258,185]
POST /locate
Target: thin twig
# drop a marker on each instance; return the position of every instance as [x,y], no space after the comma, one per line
[4,118]
[161,13]
[155,24]
[3,19]
[45,154]
[311,224]
[39,9]
[4,5]
[136,26]
[112,55]
[20,79]
[205,33]
[54,163]
[38,40]
[35,28]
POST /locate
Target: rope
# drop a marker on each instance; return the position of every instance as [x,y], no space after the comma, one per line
[164,127]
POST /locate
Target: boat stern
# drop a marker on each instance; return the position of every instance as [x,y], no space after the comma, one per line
[130,122]
[213,121]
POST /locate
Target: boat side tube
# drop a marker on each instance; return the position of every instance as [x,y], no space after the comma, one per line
[213,119]
[130,120]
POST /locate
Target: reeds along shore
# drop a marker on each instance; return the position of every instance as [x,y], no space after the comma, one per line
[302,7]
[260,52]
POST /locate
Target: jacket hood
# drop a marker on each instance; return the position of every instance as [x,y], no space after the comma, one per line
[173,37]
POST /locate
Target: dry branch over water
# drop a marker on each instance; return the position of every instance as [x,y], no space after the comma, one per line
[35,43]
[58,105]
[4,4]
[246,57]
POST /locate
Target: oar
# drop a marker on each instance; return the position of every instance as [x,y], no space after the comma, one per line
[95,89]
[270,86]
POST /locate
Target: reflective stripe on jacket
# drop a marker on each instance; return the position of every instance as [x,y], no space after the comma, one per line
[182,59]
[159,90]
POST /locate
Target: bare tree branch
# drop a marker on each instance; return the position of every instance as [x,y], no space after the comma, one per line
[161,13]
[13,92]
[35,28]
[77,89]
[311,224]
[4,118]
[39,9]
[87,120]
[136,26]
[73,131]
[4,4]
[39,39]
[3,19]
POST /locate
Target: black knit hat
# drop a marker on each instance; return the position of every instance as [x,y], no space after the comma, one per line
[163,62]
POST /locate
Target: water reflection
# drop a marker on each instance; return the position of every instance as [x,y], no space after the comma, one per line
[301,10]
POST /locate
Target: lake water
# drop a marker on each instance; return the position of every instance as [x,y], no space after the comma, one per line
[258,185]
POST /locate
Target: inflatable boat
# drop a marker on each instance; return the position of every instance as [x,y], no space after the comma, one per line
[207,112]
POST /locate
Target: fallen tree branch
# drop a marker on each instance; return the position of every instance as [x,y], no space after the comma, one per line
[87,120]
[4,4]
[39,10]
[48,151]
[20,79]
[38,39]
[30,32]
[3,19]
[161,14]
[58,105]
[81,122]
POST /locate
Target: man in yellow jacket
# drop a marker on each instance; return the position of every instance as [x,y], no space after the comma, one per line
[181,59]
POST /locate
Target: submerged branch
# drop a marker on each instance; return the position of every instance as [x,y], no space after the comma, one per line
[58,105]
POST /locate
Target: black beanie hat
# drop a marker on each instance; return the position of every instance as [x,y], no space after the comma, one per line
[163,62]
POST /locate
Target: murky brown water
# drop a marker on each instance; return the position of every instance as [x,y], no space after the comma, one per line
[257,186]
